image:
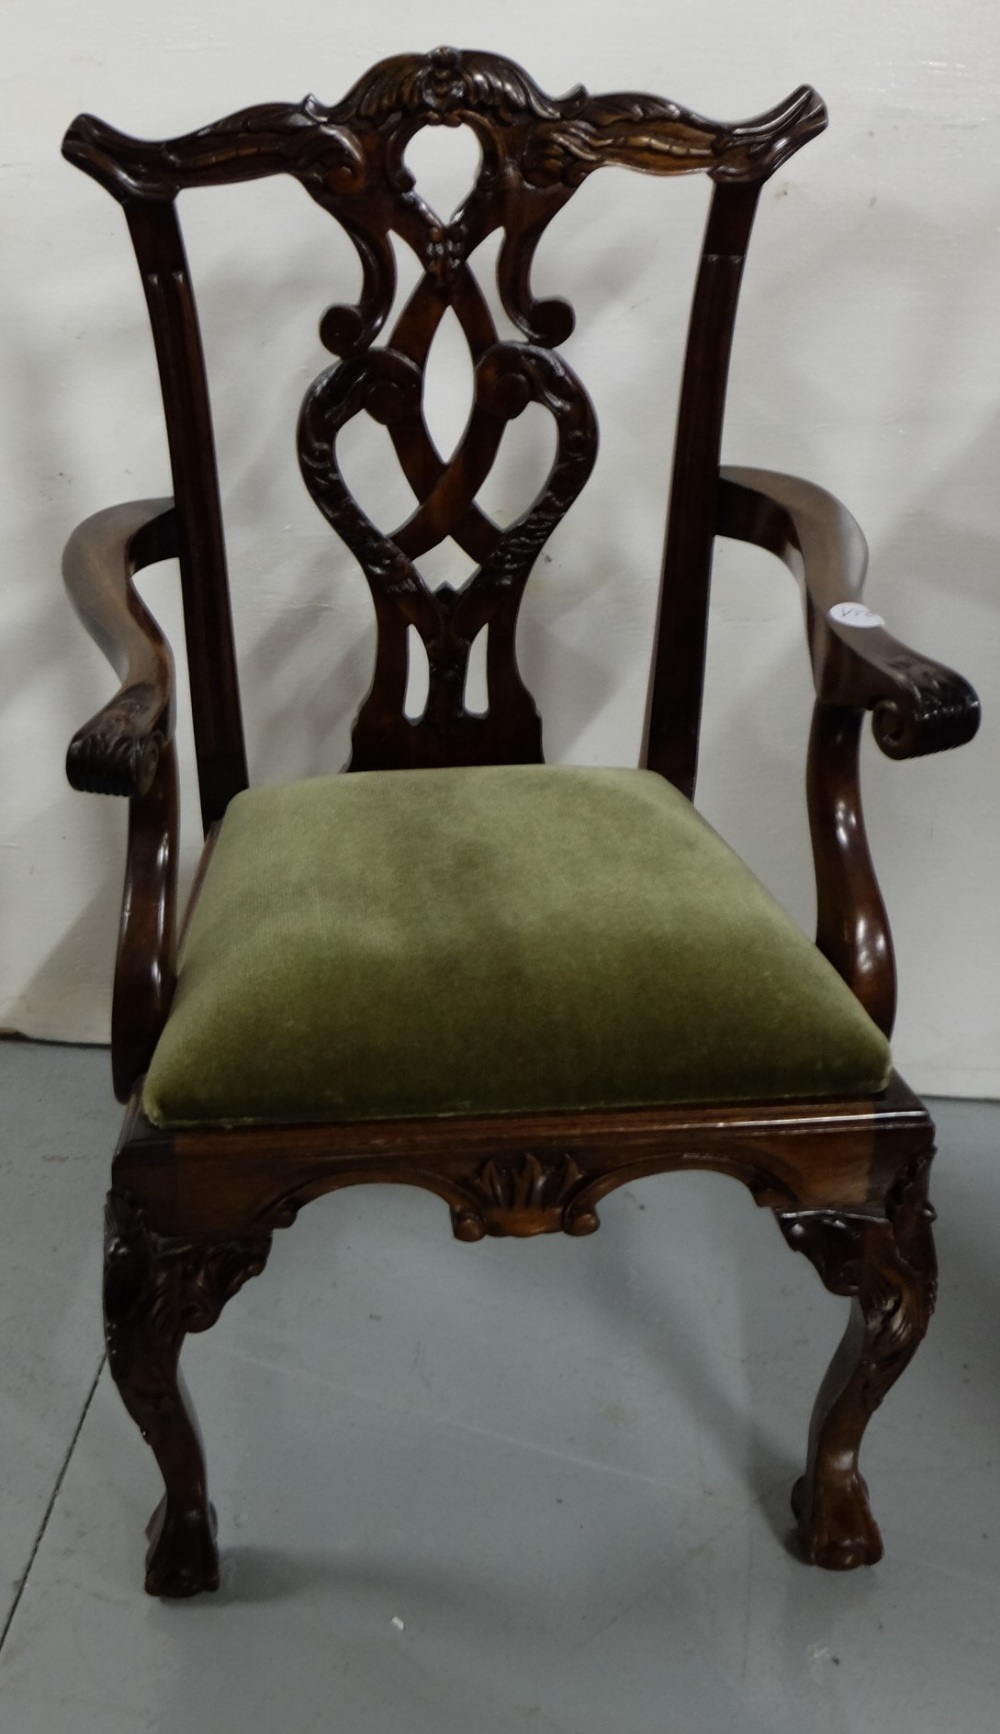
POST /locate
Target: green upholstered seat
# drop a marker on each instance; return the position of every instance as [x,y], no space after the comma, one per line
[486,940]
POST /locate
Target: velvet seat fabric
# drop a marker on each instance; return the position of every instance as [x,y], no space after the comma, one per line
[509,938]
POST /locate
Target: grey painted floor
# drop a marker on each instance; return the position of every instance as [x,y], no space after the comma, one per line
[522,1485]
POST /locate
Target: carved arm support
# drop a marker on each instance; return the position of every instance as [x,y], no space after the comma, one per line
[918,707]
[127,749]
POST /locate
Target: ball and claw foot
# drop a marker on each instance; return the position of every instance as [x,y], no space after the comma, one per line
[883,1257]
[835,1525]
[182,1559]
[157,1289]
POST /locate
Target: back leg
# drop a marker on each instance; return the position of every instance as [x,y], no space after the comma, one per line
[885,1260]
[156,1290]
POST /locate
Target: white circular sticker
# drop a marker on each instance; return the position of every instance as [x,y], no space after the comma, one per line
[855,614]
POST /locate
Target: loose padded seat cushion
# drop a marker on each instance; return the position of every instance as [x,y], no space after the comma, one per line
[509,938]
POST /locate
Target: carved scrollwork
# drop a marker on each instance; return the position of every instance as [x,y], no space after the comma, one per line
[857,1254]
[934,709]
[522,1196]
[642,132]
[349,157]
[448,83]
[271,138]
[387,383]
[512,375]
[108,757]
[550,139]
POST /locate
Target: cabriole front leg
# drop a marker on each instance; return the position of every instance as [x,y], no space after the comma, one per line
[156,1290]
[885,1261]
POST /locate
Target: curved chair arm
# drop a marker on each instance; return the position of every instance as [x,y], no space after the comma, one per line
[918,705]
[117,751]
[127,749]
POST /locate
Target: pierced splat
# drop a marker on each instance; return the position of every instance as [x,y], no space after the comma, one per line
[388,383]
[350,158]
[534,154]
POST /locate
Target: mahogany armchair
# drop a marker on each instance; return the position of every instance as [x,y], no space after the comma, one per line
[606,992]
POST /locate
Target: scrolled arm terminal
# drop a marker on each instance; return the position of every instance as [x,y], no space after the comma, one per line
[918,705]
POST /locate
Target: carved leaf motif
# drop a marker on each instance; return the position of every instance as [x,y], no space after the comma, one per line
[449,80]
[885,1260]
[159,1288]
[549,139]
[522,1196]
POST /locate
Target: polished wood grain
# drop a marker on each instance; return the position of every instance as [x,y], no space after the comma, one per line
[215,699]
[191,1213]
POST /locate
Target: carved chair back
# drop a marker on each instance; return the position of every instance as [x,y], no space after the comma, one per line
[535,152]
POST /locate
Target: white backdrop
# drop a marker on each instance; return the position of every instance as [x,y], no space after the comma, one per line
[867,357]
